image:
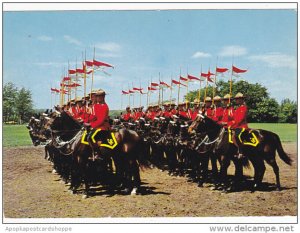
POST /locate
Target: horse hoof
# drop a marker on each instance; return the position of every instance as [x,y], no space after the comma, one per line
[126,191]
[200,184]
[85,196]
[71,191]
[134,191]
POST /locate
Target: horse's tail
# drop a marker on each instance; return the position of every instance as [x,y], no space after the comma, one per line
[142,158]
[282,154]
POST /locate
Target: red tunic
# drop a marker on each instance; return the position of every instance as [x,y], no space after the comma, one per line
[85,115]
[189,113]
[228,116]
[240,117]
[167,114]
[73,111]
[209,113]
[101,113]
[90,114]
[127,116]
[194,114]
[152,115]
[218,114]
[183,114]
[173,111]
[137,116]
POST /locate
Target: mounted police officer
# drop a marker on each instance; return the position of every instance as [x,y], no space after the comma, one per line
[239,122]
[217,110]
[101,118]
[228,112]
[127,116]
[196,109]
[208,107]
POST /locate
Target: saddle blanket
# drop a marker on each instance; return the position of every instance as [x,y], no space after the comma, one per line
[245,136]
[102,138]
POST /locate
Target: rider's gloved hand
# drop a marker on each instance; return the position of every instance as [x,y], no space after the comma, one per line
[87,125]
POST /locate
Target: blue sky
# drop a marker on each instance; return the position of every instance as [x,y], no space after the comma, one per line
[141,44]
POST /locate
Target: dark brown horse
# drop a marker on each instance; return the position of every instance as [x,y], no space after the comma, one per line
[125,152]
[265,150]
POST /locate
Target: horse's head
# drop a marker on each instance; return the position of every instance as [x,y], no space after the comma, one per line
[35,131]
[200,125]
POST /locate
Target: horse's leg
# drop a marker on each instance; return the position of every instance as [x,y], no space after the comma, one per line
[201,168]
[213,160]
[84,169]
[136,177]
[272,162]
[259,171]
[238,176]
[225,162]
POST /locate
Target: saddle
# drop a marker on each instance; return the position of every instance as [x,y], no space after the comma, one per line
[246,137]
[102,138]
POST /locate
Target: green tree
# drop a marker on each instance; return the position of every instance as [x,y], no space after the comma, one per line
[288,111]
[24,105]
[10,93]
[257,97]
[266,110]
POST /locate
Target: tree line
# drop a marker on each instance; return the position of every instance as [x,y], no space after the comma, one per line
[17,104]
[262,108]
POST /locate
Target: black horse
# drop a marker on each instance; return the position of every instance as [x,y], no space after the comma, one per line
[265,150]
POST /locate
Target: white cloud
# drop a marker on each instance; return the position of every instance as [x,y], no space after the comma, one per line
[45,38]
[108,46]
[72,40]
[278,60]
[233,50]
[201,54]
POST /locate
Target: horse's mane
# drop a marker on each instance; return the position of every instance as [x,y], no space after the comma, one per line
[67,122]
[212,123]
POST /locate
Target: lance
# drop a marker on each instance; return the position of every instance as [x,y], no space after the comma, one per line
[158,89]
[84,73]
[179,88]
[148,95]
[171,90]
[230,82]
[93,73]
[215,86]
[62,90]
[205,88]
[129,96]
[187,88]
[132,96]
[230,86]
[76,78]
[51,98]
[162,93]
[140,94]
[199,93]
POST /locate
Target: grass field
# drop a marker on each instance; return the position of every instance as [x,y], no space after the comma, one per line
[17,135]
[286,132]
